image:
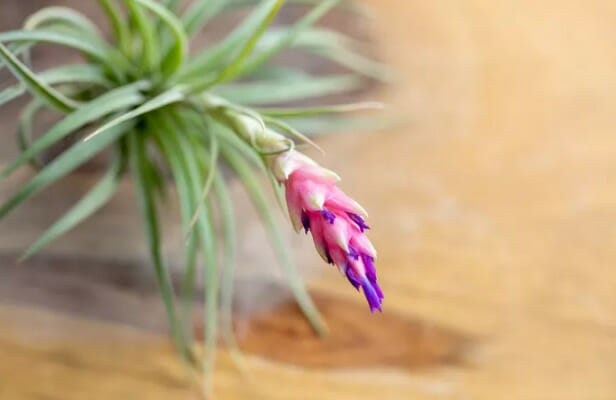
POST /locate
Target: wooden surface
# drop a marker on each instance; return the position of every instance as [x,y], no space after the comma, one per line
[494,212]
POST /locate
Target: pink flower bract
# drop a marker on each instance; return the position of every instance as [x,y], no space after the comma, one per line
[336,222]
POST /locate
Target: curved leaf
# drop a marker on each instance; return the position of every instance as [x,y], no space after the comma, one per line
[179,51]
[77,73]
[97,50]
[319,110]
[39,88]
[176,145]
[199,12]
[210,276]
[24,128]
[291,131]
[232,68]
[284,90]
[161,132]
[61,15]
[98,196]
[149,48]
[219,53]
[120,29]
[171,96]
[144,186]
[62,165]
[288,38]
[110,102]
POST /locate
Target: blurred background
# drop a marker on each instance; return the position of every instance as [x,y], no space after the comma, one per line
[492,207]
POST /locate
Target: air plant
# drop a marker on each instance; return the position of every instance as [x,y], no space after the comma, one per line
[161,111]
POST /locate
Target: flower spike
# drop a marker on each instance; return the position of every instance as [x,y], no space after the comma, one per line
[335,221]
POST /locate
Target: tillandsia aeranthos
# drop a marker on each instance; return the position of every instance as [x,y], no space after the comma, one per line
[160,110]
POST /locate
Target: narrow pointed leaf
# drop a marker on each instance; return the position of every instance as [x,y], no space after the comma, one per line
[280,91]
[161,133]
[319,110]
[151,227]
[199,12]
[95,49]
[210,276]
[149,55]
[179,51]
[232,68]
[120,29]
[78,73]
[219,53]
[112,101]
[63,16]
[291,131]
[24,128]
[290,36]
[178,144]
[39,88]
[172,5]
[169,97]
[87,206]
[62,165]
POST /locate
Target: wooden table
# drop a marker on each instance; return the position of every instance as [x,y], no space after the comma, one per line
[494,212]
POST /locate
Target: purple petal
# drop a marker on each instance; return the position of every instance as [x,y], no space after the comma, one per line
[359,221]
[305,221]
[378,291]
[373,297]
[352,278]
[369,265]
[328,215]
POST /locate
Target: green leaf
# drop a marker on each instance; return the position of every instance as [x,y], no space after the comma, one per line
[24,128]
[149,216]
[310,38]
[39,88]
[330,45]
[291,131]
[98,196]
[341,53]
[121,31]
[232,68]
[346,5]
[286,90]
[110,102]
[199,12]
[244,171]
[208,180]
[319,110]
[95,49]
[171,96]
[219,53]
[172,5]
[179,51]
[210,276]
[149,56]
[225,205]
[64,16]
[11,93]
[330,124]
[288,38]
[161,132]
[176,145]
[62,165]
[77,73]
